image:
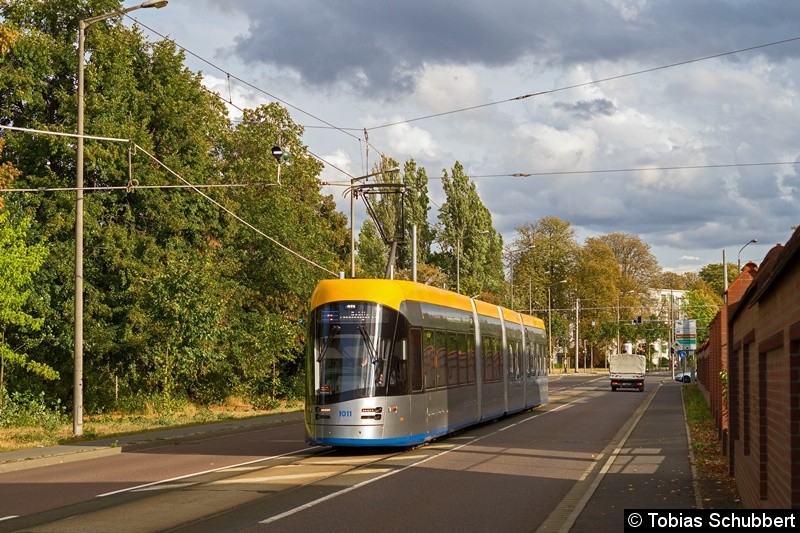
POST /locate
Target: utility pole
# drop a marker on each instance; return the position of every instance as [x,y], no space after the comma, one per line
[577,326]
[77,373]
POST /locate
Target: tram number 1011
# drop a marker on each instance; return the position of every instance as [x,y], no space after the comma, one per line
[344,414]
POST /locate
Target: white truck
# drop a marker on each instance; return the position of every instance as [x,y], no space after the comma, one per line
[627,370]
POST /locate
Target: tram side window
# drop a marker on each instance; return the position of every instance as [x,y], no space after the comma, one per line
[471,358]
[415,357]
[514,359]
[543,359]
[533,362]
[452,359]
[428,360]
[530,356]
[441,359]
[488,357]
[492,359]
[511,357]
[461,345]
[498,359]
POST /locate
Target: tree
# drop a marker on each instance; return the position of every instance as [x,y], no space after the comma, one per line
[140,240]
[702,304]
[417,207]
[548,255]
[7,173]
[597,280]
[669,280]
[714,276]
[638,266]
[19,262]
[474,259]
[372,252]
[386,225]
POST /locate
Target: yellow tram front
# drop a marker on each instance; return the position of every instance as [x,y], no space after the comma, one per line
[356,390]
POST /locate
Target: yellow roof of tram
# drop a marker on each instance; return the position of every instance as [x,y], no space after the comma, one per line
[392,293]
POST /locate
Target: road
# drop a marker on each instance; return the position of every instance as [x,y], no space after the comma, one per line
[508,475]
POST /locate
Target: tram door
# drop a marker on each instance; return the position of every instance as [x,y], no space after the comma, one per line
[434,356]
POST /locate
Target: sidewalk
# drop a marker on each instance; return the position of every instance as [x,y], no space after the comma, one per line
[651,467]
[65,453]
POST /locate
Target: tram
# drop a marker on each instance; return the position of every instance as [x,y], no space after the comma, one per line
[398,363]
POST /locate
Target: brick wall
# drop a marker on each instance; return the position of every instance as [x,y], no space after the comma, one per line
[764,381]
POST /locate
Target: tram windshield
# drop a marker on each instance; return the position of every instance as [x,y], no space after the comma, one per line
[352,341]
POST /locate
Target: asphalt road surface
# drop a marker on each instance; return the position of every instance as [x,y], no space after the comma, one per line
[514,474]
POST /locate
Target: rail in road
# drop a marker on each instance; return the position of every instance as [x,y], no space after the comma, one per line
[533,470]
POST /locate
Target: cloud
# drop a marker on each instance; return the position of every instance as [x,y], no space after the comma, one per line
[587,109]
[367,63]
[375,46]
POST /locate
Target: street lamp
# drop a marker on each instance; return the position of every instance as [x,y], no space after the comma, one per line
[77,424]
[739,262]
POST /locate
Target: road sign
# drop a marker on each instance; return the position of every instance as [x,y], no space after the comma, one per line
[686,334]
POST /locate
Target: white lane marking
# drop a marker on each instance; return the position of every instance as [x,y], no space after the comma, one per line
[573,516]
[313,503]
[9,517]
[186,476]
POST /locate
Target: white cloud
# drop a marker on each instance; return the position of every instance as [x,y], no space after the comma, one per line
[414,59]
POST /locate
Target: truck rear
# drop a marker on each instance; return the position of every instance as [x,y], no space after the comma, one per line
[627,370]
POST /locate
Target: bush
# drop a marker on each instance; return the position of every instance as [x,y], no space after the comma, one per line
[27,409]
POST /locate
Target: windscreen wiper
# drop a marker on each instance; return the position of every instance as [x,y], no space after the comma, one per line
[362,328]
[335,331]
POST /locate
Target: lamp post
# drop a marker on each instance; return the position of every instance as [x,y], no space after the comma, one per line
[77,424]
[739,261]
[577,329]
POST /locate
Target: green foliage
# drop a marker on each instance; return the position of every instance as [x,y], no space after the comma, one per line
[702,305]
[714,276]
[19,262]
[181,301]
[184,303]
[388,220]
[372,252]
[417,207]
[26,409]
[474,259]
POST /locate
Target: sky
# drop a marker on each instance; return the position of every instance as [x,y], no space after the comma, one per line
[673,120]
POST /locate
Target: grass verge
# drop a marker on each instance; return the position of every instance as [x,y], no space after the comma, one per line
[114,425]
[717,489]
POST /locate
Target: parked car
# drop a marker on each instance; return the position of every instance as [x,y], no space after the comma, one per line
[684,377]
